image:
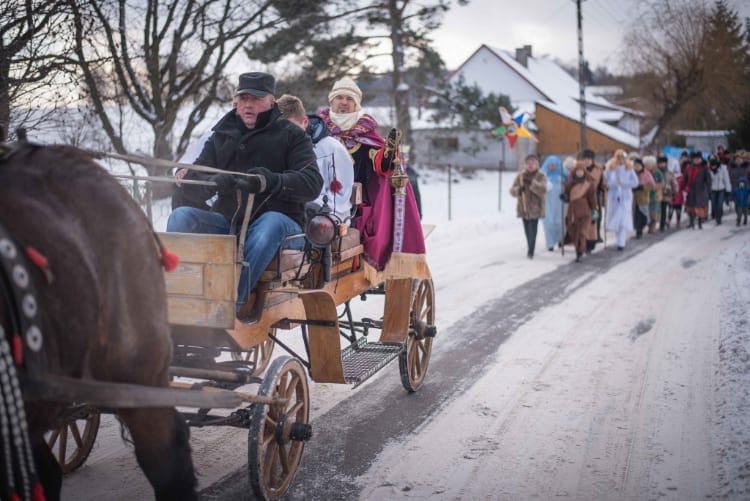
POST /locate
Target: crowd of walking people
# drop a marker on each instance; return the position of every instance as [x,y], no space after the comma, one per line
[639,195]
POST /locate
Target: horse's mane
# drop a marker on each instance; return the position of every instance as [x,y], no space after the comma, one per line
[26,151]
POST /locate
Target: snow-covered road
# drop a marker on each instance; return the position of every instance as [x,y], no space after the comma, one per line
[626,377]
[610,394]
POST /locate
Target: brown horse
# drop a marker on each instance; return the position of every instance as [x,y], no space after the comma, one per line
[101,302]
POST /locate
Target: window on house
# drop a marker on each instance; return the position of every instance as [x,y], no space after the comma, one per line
[445,143]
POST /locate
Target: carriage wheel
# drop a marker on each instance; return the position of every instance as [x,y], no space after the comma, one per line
[259,355]
[415,357]
[278,432]
[72,442]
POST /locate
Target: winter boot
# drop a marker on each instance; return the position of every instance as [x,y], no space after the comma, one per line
[700,223]
[651,227]
[579,257]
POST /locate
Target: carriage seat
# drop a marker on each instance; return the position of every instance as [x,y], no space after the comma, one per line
[289,264]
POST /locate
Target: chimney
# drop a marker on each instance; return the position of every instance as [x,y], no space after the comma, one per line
[523,54]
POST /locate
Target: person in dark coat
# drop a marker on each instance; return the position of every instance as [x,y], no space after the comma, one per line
[697,183]
[253,139]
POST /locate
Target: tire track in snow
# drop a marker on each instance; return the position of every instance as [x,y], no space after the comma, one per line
[348,438]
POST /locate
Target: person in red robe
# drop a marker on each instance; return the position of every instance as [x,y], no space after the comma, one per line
[373,168]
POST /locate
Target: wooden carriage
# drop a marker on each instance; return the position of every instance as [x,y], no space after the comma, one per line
[302,290]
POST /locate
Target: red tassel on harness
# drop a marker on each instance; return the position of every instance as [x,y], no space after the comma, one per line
[15,497]
[37,494]
[336,186]
[17,350]
[169,260]
[36,257]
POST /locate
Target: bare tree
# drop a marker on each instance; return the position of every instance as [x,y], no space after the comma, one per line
[666,58]
[358,34]
[690,64]
[168,61]
[35,75]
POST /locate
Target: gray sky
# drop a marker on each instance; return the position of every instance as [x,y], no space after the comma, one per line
[549,26]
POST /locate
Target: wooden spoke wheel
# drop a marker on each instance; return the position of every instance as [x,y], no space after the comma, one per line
[278,432]
[415,357]
[72,442]
[259,355]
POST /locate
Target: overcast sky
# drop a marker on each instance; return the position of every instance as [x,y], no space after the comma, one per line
[549,26]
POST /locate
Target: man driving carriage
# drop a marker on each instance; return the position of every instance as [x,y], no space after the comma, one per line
[253,139]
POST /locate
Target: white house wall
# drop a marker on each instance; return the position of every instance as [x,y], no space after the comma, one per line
[494,153]
[630,124]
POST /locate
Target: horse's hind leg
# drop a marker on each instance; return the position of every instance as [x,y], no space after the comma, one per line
[161,439]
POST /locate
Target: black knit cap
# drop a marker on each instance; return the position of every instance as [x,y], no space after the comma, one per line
[588,154]
[661,160]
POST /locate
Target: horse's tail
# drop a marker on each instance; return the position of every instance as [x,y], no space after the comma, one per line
[18,479]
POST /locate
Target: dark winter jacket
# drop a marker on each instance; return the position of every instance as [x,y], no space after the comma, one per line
[741,193]
[274,143]
[737,171]
[697,182]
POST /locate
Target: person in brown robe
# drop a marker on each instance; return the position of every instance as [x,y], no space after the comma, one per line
[596,172]
[580,193]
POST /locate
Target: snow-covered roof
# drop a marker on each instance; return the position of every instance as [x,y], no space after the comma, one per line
[601,127]
[605,116]
[546,75]
[546,83]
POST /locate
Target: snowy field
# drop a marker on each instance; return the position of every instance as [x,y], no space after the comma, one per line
[634,385]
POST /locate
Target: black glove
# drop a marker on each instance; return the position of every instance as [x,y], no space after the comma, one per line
[272,179]
[564,197]
[638,188]
[225,183]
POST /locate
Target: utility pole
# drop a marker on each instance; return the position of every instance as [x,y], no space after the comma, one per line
[581,83]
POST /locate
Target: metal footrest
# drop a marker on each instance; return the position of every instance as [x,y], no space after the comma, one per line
[363,359]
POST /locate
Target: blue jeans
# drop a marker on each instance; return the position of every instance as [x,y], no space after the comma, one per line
[717,204]
[264,237]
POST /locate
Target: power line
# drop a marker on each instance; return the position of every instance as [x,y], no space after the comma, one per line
[600,16]
[562,6]
[604,8]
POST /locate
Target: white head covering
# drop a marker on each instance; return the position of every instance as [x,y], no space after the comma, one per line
[347,87]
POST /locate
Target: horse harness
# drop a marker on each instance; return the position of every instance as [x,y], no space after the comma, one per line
[20,298]
[21,354]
